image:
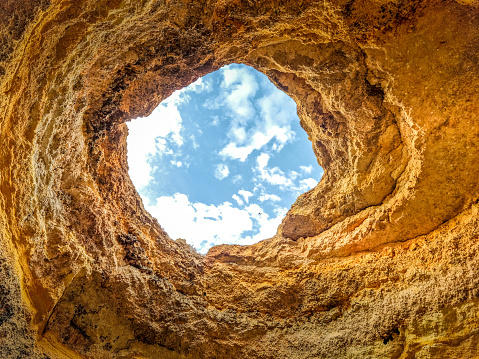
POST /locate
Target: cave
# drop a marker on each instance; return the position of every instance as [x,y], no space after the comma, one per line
[379,260]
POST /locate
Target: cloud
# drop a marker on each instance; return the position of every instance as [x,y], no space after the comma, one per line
[273,176]
[269,197]
[306,169]
[256,138]
[257,118]
[255,121]
[200,85]
[277,107]
[207,225]
[157,133]
[237,153]
[255,211]
[239,133]
[215,121]
[276,177]
[221,171]
[193,143]
[246,194]
[267,226]
[307,184]
[149,136]
[240,86]
[262,160]
[236,179]
[238,199]
[202,225]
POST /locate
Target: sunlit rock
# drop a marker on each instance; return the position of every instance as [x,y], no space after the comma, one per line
[380,260]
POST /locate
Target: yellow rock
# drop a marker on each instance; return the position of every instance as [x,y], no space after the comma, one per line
[380,260]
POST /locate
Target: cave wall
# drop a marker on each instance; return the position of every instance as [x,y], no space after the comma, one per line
[380,260]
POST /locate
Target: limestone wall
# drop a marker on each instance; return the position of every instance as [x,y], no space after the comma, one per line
[380,260]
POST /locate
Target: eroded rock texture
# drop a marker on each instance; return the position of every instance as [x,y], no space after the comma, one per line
[380,260]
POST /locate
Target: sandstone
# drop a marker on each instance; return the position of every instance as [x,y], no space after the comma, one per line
[380,260]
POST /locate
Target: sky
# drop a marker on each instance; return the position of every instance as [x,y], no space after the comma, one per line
[222,160]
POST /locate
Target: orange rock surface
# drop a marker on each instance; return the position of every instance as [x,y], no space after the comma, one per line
[380,260]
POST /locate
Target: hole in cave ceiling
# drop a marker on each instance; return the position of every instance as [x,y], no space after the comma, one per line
[222,160]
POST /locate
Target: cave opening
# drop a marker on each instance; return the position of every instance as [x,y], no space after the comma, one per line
[222,160]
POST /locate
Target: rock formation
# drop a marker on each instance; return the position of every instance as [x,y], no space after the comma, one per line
[380,260]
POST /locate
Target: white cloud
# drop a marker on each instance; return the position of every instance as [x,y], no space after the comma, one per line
[221,171]
[234,152]
[267,226]
[215,121]
[246,194]
[238,199]
[202,225]
[255,211]
[206,225]
[149,136]
[239,134]
[244,142]
[152,135]
[199,86]
[259,139]
[277,107]
[205,211]
[248,131]
[276,177]
[273,176]
[307,184]
[259,120]
[306,169]
[269,197]
[193,143]
[241,86]
[262,160]
[237,178]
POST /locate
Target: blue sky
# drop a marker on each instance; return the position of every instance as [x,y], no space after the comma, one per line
[222,160]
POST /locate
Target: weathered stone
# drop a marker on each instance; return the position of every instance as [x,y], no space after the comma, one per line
[380,260]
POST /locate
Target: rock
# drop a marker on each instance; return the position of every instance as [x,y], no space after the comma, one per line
[380,260]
